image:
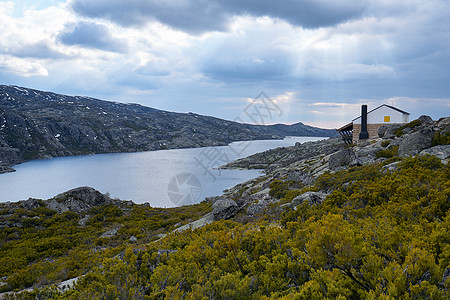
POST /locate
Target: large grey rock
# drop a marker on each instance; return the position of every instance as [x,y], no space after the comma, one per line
[387,131]
[425,120]
[341,158]
[313,198]
[30,204]
[78,200]
[382,131]
[205,220]
[441,151]
[444,122]
[300,176]
[415,142]
[86,194]
[224,209]
[257,208]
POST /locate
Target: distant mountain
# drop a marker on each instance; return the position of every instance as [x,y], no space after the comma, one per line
[36,124]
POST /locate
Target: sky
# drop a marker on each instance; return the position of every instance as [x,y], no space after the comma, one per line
[316,61]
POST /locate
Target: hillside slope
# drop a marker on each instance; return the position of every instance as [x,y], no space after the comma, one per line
[36,124]
[324,222]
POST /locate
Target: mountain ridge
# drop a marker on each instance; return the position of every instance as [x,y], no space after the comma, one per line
[35,124]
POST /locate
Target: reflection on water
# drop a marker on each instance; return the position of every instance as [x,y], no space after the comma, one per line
[165,178]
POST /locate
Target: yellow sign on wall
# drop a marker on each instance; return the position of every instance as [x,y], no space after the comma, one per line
[387,119]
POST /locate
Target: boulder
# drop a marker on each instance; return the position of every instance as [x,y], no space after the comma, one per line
[441,151]
[30,204]
[86,194]
[415,142]
[340,158]
[300,176]
[78,200]
[205,220]
[382,131]
[387,131]
[257,208]
[443,122]
[313,198]
[224,209]
[68,205]
[425,120]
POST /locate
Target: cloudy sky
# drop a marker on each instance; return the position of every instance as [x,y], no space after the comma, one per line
[317,60]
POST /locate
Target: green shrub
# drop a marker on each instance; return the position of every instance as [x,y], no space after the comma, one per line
[388,153]
[415,123]
[385,143]
[441,138]
[279,189]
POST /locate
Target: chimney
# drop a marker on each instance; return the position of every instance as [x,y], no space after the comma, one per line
[363,135]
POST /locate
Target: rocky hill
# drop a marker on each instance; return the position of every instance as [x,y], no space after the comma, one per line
[304,163]
[36,124]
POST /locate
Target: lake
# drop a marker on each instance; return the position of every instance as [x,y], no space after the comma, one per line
[165,178]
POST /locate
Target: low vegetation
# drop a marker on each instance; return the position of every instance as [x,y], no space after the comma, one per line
[412,124]
[378,235]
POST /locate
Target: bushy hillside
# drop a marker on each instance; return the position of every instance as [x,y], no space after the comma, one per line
[380,234]
[326,221]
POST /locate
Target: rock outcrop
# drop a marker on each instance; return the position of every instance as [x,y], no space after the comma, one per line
[441,151]
[387,131]
[416,142]
[312,198]
[304,163]
[78,200]
[341,158]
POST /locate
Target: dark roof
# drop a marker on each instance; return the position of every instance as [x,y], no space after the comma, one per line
[346,127]
[391,107]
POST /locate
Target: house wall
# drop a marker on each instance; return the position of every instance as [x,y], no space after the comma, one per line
[378,117]
[372,129]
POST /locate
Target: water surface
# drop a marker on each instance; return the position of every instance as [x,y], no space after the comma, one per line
[165,178]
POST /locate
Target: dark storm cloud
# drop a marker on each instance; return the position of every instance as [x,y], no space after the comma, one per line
[304,13]
[91,35]
[192,16]
[197,16]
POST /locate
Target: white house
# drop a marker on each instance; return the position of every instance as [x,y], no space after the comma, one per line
[377,117]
